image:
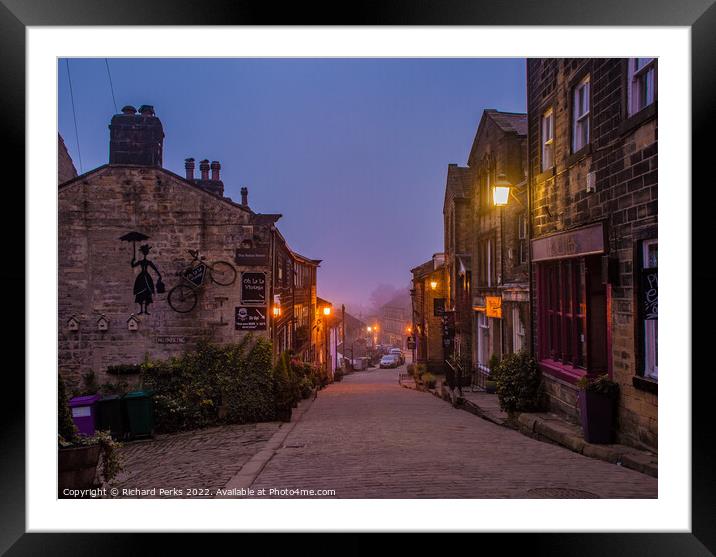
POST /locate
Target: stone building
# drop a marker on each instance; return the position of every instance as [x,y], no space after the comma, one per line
[128,231]
[428,301]
[294,298]
[394,318]
[65,167]
[593,186]
[457,219]
[500,281]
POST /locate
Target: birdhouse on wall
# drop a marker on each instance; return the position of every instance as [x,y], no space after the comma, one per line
[73,324]
[102,323]
[132,323]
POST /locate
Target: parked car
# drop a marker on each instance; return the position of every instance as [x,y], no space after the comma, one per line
[389,360]
[398,352]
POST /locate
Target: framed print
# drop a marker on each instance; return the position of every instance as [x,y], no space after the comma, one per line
[334,186]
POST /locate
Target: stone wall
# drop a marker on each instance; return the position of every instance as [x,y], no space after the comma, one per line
[96,279]
[623,154]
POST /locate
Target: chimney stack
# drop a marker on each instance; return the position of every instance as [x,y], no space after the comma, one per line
[245,196]
[136,138]
[189,166]
[204,168]
[215,167]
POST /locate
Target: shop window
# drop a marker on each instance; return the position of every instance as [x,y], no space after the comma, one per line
[572,312]
[580,115]
[641,88]
[649,300]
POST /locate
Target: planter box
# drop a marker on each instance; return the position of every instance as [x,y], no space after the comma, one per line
[77,467]
[597,415]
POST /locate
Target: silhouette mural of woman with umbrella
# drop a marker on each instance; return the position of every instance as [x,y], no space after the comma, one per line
[143,285]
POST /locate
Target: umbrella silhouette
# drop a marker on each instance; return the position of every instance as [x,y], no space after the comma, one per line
[134,237]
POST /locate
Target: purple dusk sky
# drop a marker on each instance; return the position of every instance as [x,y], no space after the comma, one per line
[352,152]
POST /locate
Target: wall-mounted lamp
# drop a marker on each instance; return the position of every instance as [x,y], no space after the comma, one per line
[327,310]
[276,311]
[501,191]
[433,284]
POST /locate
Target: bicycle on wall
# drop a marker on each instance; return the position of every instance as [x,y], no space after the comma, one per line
[183,297]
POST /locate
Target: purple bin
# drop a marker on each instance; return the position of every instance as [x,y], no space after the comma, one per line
[84,411]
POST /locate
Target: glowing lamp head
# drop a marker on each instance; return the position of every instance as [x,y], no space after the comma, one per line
[369,329]
[326,310]
[276,311]
[433,284]
[501,191]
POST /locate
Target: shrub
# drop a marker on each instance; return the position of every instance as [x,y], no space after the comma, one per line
[600,384]
[518,383]
[124,369]
[411,369]
[189,390]
[68,436]
[65,424]
[428,380]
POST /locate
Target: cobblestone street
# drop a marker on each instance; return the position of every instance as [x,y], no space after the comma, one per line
[367,437]
[205,459]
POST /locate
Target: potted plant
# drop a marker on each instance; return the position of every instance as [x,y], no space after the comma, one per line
[597,406]
[79,455]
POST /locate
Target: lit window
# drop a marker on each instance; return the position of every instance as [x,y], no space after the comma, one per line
[642,83]
[518,331]
[548,139]
[580,115]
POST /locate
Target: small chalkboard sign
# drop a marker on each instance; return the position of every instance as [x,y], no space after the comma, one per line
[196,274]
[650,293]
[253,288]
[250,319]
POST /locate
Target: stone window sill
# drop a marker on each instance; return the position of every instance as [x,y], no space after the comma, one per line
[645,384]
[638,119]
[579,155]
[546,175]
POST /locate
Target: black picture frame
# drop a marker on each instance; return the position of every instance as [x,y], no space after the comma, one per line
[699,15]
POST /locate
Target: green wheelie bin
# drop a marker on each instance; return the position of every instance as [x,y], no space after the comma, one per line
[140,413]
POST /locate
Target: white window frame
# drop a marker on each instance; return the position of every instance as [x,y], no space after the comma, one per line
[518,331]
[522,236]
[640,73]
[651,326]
[483,339]
[580,114]
[547,139]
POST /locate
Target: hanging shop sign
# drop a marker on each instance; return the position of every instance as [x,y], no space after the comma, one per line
[572,243]
[252,256]
[250,318]
[253,288]
[493,306]
[411,343]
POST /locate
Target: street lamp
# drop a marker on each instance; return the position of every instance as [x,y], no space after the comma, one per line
[326,311]
[433,284]
[276,311]
[501,191]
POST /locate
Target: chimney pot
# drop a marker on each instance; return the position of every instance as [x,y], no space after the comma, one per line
[189,166]
[204,168]
[215,168]
[244,196]
[136,141]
